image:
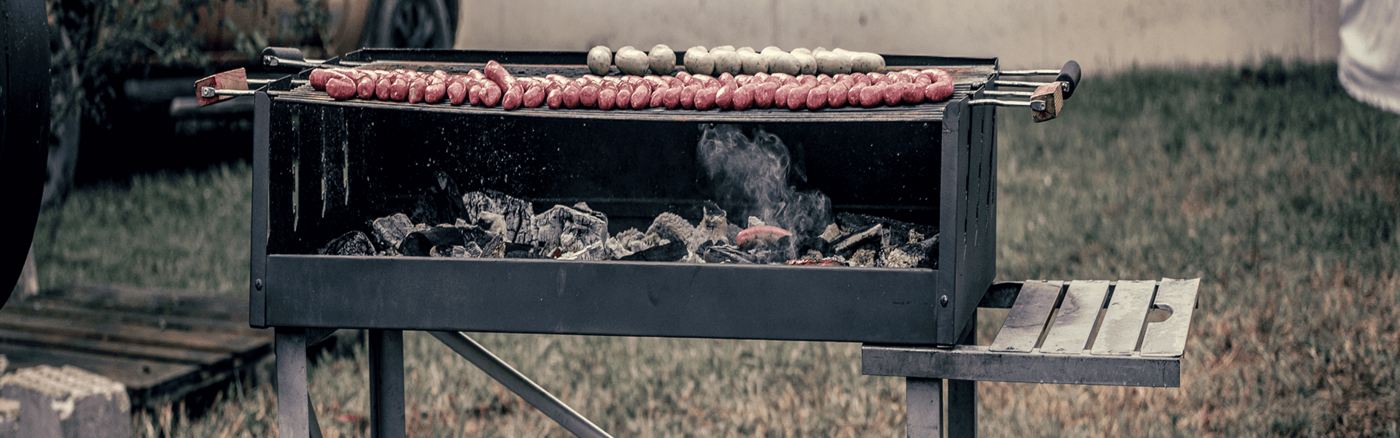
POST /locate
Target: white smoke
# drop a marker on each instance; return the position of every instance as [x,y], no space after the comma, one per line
[750,178]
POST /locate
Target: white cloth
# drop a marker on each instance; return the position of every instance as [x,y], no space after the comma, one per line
[1369,65]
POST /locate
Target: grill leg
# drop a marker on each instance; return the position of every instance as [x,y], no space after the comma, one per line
[924,401]
[386,384]
[294,415]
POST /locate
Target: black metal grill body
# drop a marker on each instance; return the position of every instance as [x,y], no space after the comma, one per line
[324,167]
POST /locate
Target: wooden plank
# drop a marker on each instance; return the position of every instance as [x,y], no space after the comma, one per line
[1168,338]
[208,341]
[1069,333]
[1122,324]
[1028,316]
[55,309]
[136,374]
[972,362]
[117,349]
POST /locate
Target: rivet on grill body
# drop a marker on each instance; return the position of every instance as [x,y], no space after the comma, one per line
[943,300]
[258,285]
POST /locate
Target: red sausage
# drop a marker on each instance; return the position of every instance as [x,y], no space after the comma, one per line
[399,90]
[364,88]
[499,75]
[913,94]
[607,98]
[671,97]
[853,96]
[688,96]
[555,99]
[340,88]
[417,90]
[743,97]
[490,93]
[705,98]
[435,93]
[938,91]
[382,86]
[876,77]
[513,97]
[571,96]
[683,76]
[726,78]
[623,98]
[763,96]
[797,98]
[724,98]
[807,80]
[534,97]
[816,98]
[894,94]
[588,95]
[641,97]
[780,97]
[476,74]
[837,94]
[658,98]
[872,96]
[456,93]
[320,76]
[476,93]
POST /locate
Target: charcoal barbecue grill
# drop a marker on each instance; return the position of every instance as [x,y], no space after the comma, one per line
[323,166]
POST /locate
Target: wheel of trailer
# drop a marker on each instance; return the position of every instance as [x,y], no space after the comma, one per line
[413,24]
[24,103]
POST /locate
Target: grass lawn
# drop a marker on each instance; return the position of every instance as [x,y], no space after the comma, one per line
[1271,184]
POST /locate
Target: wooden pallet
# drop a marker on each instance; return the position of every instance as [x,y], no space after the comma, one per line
[161,344]
[1079,332]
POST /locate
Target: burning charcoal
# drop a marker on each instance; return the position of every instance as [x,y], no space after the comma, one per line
[454,251]
[671,227]
[440,204]
[875,237]
[518,254]
[493,222]
[776,251]
[518,215]
[725,254]
[472,250]
[621,245]
[391,230]
[733,232]
[713,227]
[353,243]
[818,244]
[921,254]
[570,229]
[831,233]
[864,257]
[595,251]
[669,252]
[421,243]
[899,231]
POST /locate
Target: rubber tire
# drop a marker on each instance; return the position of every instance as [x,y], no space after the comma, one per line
[414,24]
[24,129]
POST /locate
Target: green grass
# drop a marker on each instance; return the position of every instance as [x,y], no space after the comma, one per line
[1276,188]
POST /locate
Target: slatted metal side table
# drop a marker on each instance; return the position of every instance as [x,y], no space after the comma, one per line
[1077,332]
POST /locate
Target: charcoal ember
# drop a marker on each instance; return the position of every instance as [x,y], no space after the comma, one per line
[831,233]
[864,257]
[454,251]
[570,228]
[595,251]
[421,243]
[777,251]
[625,243]
[517,215]
[671,227]
[899,230]
[713,227]
[525,254]
[440,204]
[670,252]
[808,244]
[733,232]
[921,254]
[725,254]
[389,231]
[354,243]
[875,238]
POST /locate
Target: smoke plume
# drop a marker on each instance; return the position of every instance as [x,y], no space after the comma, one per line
[750,178]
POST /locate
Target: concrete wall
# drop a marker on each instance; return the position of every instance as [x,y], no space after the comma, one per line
[1103,35]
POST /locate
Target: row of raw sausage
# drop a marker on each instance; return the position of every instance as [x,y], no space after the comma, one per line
[493,86]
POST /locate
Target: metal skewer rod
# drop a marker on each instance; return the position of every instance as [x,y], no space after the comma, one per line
[261,82]
[1034,105]
[210,92]
[520,385]
[1030,72]
[997,93]
[1020,84]
[273,61]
